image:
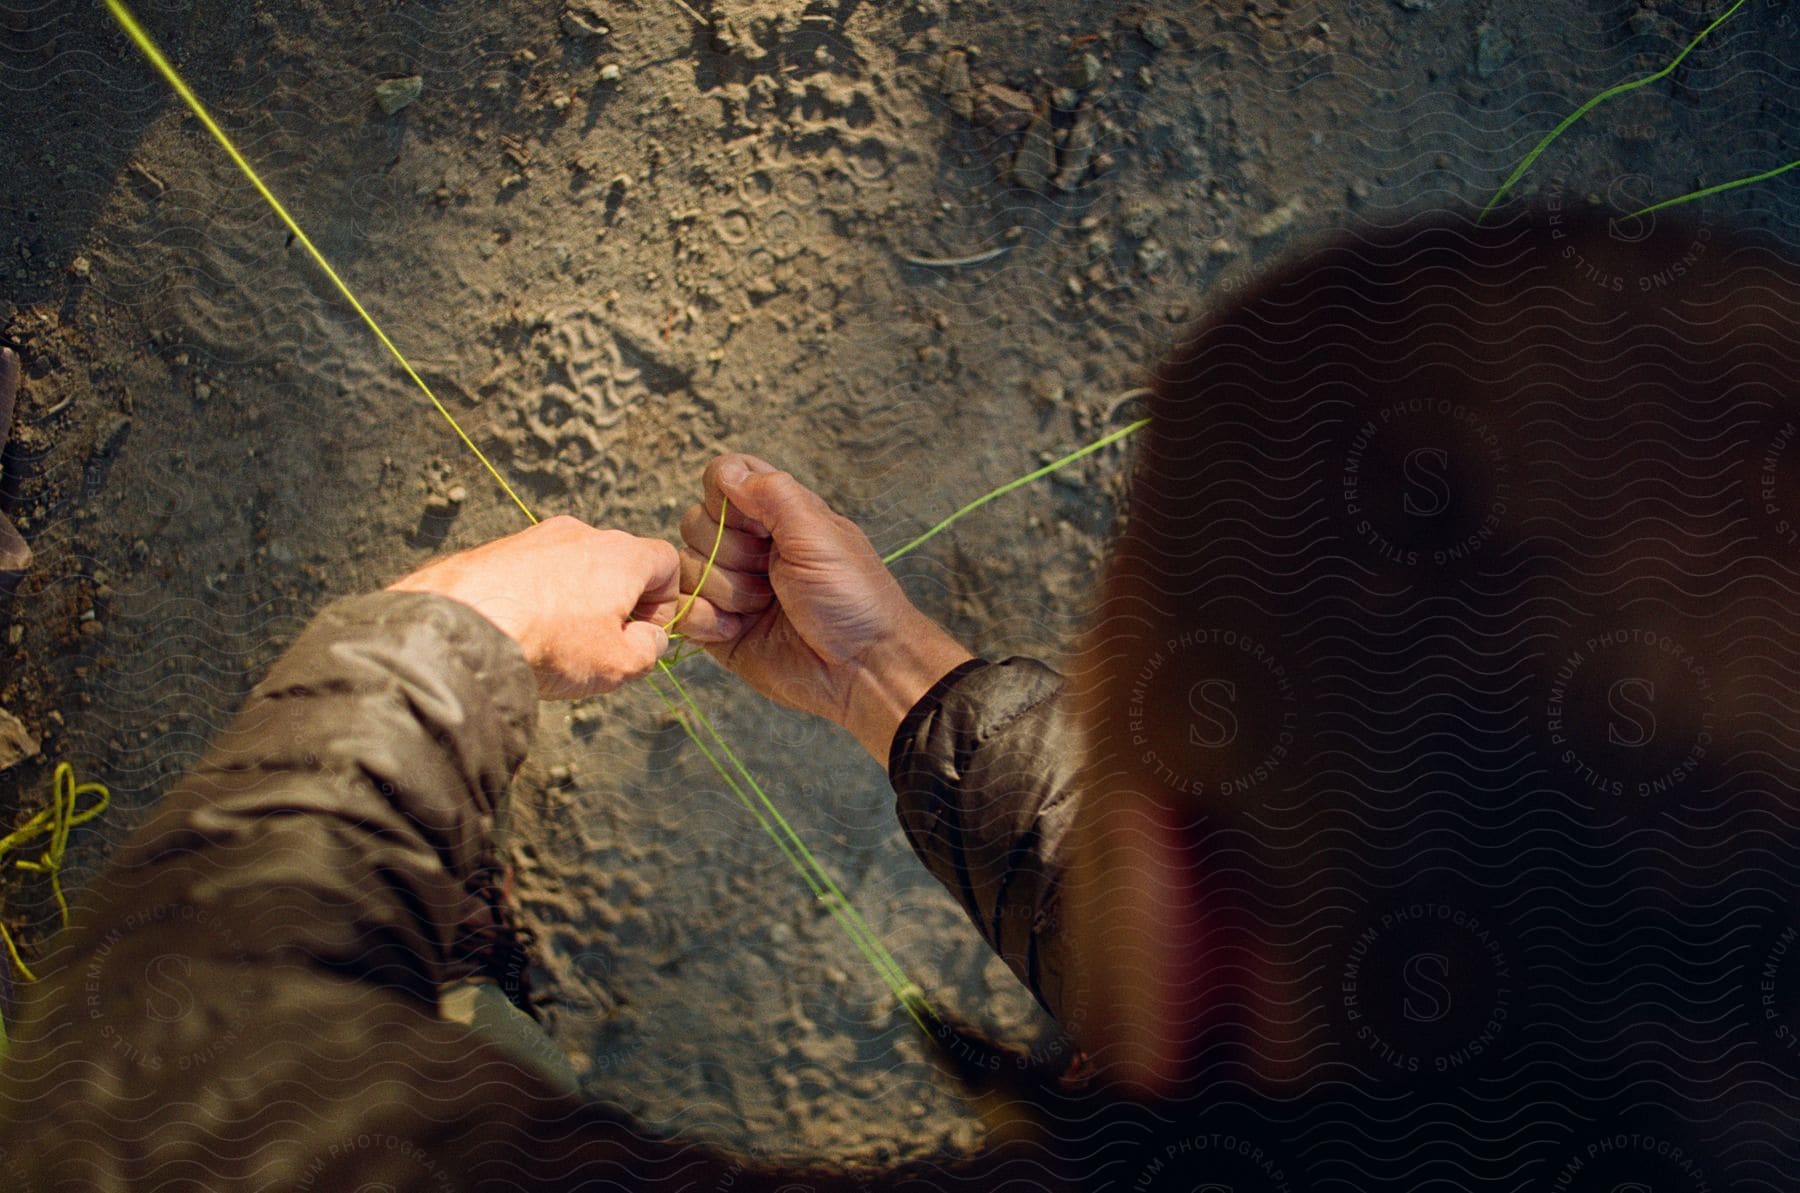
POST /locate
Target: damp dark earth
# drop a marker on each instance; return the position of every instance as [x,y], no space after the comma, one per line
[908,251]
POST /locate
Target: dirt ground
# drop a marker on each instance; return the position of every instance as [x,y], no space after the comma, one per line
[618,238]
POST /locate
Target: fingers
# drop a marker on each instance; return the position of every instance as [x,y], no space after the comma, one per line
[705,622]
[731,591]
[739,550]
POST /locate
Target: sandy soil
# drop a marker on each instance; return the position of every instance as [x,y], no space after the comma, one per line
[615,241]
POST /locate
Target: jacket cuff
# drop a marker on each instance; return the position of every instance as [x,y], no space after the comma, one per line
[914,726]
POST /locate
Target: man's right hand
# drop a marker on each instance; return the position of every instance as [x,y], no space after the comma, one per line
[803,609]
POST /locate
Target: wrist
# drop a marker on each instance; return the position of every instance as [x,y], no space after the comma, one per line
[891,678]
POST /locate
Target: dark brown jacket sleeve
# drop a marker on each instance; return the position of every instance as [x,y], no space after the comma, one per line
[983,772]
[247,997]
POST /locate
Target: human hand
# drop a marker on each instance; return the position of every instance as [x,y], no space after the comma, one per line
[801,607]
[585,605]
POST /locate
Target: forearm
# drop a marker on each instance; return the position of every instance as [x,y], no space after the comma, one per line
[887,684]
[343,814]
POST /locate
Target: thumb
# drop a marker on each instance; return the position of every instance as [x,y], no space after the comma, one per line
[774,498]
[645,642]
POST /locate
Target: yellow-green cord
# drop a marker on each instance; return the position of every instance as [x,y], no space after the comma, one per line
[706,571]
[1590,105]
[1003,490]
[148,46]
[54,821]
[1713,190]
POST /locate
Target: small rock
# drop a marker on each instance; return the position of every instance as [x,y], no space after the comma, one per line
[1138,220]
[1155,30]
[1085,70]
[16,742]
[1222,248]
[1414,5]
[780,934]
[1077,151]
[1151,256]
[958,88]
[1047,388]
[1037,155]
[395,94]
[92,629]
[202,391]
[81,267]
[439,505]
[15,634]
[1065,99]
[457,495]
[583,19]
[561,776]
[1277,219]
[611,73]
[1003,109]
[1492,49]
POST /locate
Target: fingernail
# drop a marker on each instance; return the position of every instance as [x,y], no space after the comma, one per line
[734,473]
[662,642]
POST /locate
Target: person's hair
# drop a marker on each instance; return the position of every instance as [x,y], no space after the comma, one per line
[1443,699]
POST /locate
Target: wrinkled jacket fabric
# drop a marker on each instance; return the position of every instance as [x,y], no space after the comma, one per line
[247,996]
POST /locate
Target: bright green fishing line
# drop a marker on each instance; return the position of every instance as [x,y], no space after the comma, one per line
[1590,105]
[1713,190]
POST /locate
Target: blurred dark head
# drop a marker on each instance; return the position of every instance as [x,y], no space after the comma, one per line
[1441,700]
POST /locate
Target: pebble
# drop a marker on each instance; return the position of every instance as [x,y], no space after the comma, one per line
[1138,220]
[395,94]
[16,741]
[1003,109]
[1492,49]
[611,73]
[953,78]
[780,934]
[15,634]
[583,19]
[1085,70]
[92,629]
[1047,388]
[1078,151]
[1036,157]
[1277,218]
[1155,30]
[81,267]
[1151,256]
